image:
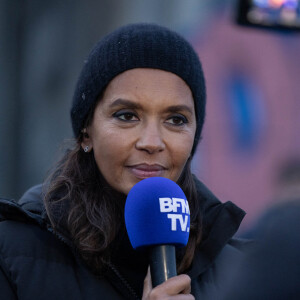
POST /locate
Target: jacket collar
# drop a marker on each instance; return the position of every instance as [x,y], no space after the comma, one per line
[220,222]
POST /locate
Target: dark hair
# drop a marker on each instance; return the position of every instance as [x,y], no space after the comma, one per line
[78,193]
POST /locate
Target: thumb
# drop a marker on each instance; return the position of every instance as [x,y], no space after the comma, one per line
[147,284]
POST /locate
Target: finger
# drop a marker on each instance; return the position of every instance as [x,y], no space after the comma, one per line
[183,297]
[180,284]
[188,288]
[147,284]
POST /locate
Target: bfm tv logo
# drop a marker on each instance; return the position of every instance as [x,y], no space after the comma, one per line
[174,205]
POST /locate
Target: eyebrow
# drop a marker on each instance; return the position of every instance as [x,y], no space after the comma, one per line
[125,102]
[135,105]
[176,108]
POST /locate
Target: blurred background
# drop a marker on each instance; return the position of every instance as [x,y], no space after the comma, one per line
[252,131]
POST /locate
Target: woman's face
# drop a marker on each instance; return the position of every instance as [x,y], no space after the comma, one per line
[143,126]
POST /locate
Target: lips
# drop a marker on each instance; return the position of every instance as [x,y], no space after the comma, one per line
[143,171]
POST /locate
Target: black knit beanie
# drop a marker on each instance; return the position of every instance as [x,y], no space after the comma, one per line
[138,46]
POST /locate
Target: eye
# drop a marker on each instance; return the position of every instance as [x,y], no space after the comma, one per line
[125,116]
[177,120]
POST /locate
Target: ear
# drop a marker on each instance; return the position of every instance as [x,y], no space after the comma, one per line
[86,143]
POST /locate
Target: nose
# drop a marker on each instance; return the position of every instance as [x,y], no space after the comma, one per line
[150,139]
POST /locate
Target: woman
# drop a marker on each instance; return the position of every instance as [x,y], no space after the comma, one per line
[138,111]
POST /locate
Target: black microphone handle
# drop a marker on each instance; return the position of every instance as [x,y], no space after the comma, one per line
[162,263]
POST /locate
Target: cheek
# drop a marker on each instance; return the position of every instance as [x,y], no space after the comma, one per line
[105,150]
[180,157]
[181,150]
[110,150]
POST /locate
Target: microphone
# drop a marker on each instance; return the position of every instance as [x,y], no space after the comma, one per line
[157,218]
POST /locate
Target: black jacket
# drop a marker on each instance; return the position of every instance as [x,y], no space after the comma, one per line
[38,263]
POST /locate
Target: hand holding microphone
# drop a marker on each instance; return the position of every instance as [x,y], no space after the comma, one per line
[157,219]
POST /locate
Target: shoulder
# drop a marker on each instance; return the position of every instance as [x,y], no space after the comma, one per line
[229,257]
[29,249]
[208,284]
[28,240]
[241,244]
[233,251]
[21,228]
